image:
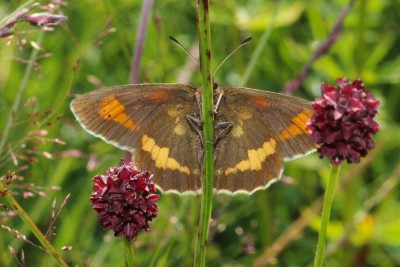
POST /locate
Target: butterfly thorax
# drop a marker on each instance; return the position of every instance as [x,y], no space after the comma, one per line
[221,127]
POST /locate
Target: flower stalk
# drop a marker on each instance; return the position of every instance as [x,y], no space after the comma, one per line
[326,212]
[129,253]
[342,128]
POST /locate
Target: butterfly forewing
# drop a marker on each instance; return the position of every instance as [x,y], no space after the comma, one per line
[149,120]
[287,116]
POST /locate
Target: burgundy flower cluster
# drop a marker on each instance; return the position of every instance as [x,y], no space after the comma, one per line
[125,199]
[342,125]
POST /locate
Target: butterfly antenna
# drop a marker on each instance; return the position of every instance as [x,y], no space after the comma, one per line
[233,52]
[184,49]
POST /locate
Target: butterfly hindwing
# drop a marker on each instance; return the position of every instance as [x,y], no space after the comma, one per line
[169,147]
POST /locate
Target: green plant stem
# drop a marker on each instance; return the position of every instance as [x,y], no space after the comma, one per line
[208,132]
[129,253]
[326,212]
[32,226]
[20,92]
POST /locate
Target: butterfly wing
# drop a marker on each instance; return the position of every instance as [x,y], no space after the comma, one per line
[150,121]
[268,129]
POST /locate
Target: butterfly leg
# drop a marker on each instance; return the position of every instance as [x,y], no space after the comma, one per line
[197,125]
[224,127]
[217,103]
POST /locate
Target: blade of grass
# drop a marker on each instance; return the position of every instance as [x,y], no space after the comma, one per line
[55,256]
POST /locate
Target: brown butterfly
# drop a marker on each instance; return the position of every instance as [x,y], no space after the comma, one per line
[255,132]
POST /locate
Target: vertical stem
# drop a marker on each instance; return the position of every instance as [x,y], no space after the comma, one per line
[326,212]
[129,253]
[140,38]
[137,55]
[208,131]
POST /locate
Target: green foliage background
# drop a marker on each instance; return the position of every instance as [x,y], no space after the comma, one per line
[283,220]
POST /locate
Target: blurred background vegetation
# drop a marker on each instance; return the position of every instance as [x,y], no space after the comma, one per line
[53,156]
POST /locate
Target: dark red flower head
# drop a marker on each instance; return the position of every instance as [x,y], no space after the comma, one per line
[342,125]
[125,200]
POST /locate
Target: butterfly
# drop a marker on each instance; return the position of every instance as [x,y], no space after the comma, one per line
[255,131]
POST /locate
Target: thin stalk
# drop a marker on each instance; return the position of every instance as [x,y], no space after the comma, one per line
[208,131]
[20,92]
[32,226]
[129,253]
[138,51]
[326,212]
[140,39]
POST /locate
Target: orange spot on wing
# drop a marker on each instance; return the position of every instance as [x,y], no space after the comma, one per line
[290,132]
[298,127]
[113,110]
[259,101]
[159,96]
[301,119]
